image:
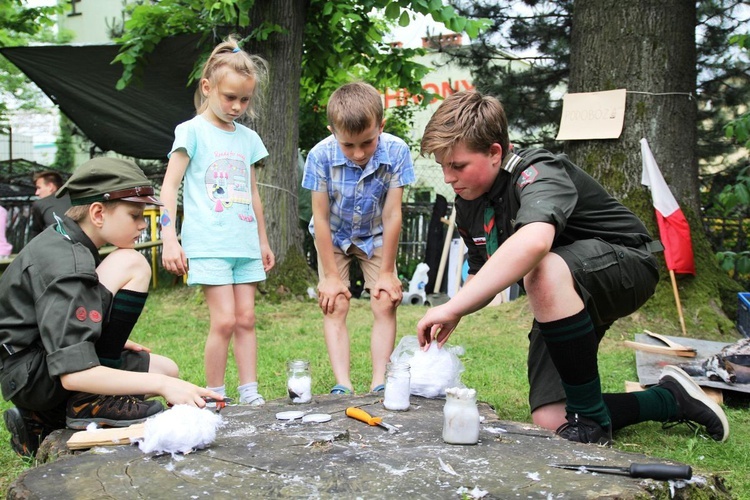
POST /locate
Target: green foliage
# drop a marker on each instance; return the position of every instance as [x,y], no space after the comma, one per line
[344,41]
[65,154]
[18,22]
[739,129]
[19,25]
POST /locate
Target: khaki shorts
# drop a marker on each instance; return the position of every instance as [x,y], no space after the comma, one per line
[613,281]
[370,267]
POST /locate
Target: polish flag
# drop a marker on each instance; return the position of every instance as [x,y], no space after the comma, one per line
[674,231]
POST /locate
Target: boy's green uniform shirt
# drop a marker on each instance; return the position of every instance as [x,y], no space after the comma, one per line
[52,308]
[538,186]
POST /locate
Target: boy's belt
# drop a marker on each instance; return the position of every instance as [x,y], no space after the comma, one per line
[9,350]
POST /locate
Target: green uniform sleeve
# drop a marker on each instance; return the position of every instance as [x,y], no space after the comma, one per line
[547,194]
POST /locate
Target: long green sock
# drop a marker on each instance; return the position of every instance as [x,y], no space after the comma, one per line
[572,344]
[586,400]
[656,403]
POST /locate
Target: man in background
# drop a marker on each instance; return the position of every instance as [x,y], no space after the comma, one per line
[44,209]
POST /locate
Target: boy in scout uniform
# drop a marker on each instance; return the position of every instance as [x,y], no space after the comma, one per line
[583,259]
[66,315]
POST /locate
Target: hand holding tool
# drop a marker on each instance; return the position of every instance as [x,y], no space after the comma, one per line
[212,404]
[650,471]
[217,404]
[363,416]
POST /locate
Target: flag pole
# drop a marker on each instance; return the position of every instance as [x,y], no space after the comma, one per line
[677,300]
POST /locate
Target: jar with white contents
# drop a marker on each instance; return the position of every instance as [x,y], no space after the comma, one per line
[460,416]
[397,386]
[299,381]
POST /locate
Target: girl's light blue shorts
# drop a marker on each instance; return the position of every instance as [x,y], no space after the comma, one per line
[225,271]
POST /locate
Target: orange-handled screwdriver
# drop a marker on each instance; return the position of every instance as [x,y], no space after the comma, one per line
[363,416]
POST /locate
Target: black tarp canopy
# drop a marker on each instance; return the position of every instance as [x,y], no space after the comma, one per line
[138,121]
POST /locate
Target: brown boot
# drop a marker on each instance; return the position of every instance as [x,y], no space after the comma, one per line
[28,429]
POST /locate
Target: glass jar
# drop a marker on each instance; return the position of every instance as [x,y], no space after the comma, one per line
[397,386]
[299,381]
[460,416]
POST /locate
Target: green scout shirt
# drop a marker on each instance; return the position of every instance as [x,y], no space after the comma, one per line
[50,295]
[535,185]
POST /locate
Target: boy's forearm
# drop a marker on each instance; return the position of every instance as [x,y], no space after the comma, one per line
[324,247]
[391,233]
[323,236]
[104,380]
[510,263]
[391,228]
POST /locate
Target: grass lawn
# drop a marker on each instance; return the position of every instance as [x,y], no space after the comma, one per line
[175,323]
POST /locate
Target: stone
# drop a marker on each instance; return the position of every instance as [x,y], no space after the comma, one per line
[256,455]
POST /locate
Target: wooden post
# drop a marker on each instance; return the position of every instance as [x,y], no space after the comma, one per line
[677,300]
[444,255]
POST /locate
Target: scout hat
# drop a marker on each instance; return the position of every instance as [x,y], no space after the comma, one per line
[108,179]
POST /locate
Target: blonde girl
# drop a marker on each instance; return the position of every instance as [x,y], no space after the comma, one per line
[224,237]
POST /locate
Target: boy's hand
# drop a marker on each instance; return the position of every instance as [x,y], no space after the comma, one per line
[328,290]
[181,392]
[437,324]
[390,284]
[173,258]
[267,256]
[134,346]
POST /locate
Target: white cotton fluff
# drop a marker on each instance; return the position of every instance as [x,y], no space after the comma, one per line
[181,429]
[433,371]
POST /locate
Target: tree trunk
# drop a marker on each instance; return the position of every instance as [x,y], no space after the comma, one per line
[644,47]
[278,180]
[648,48]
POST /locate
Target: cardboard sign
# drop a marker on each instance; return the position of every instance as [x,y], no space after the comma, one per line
[592,115]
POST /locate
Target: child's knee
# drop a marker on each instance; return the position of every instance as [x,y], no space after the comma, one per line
[130,261]
[246,320]
[383,305]
[163,365]
[223,325]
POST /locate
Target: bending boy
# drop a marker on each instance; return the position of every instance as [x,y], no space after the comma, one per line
[583,258]
[66,315]
[357,176]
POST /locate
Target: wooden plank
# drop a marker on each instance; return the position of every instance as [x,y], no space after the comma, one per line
[106,437]
[661,349]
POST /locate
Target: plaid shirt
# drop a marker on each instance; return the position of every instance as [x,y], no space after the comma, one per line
[356,195]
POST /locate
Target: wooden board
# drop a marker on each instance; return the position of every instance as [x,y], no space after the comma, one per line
[106,437]
[649,365]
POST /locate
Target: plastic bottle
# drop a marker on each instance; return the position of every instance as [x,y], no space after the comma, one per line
[299,381]
[397,386]
[460,416]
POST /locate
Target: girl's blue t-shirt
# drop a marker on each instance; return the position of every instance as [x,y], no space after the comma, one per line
[218,218]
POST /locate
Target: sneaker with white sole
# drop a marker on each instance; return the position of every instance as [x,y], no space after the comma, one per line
[254,400]
[694,406]
[108,411]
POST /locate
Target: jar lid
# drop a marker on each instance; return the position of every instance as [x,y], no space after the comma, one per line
[317,418]
[289,415]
